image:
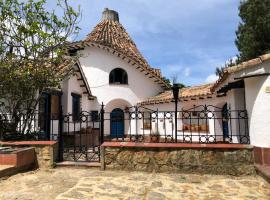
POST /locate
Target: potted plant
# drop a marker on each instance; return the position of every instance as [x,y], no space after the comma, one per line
[155,137]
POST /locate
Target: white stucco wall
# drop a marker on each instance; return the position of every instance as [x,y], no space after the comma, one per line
[69,86]
[257,102]
[97,65]
[258,107]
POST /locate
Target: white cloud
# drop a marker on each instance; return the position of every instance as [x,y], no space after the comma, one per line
[187,72]
[211,78]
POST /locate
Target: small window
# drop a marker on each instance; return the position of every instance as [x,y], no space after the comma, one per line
[146,120]
[76,106]
[94,115]
[118,76]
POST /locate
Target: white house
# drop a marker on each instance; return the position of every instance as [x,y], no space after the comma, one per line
[112,71]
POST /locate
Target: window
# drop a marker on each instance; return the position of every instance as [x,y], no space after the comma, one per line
[147,120]
[76,106]
[118,76]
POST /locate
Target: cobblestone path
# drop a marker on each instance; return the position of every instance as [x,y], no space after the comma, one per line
[71,184]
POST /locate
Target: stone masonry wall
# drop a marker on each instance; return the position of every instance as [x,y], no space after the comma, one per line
[46,155]
[213,161]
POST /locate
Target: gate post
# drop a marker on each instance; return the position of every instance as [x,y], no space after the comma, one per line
[60,137]
[102,124]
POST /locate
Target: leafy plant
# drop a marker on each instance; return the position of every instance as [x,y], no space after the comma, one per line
[33,54]
[253,34]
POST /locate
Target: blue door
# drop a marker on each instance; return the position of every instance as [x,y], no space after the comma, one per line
[225,119]
[117,123]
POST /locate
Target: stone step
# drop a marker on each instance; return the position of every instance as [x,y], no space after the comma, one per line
[78,164]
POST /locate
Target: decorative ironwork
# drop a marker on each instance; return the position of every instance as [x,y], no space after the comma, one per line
[199,124]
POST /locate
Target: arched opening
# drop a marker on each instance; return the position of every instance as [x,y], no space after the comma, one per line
[118,76]
[117,123]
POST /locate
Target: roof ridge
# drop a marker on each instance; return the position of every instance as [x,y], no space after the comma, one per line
[199,86]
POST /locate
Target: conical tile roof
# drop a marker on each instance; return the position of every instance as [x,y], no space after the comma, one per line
[112,34]
[109,35]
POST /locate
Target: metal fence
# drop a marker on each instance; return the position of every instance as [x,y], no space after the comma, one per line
[200,124]
[80,137]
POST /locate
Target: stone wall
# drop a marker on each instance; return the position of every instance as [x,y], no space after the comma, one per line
[46,155]
[182,160]
[46,152]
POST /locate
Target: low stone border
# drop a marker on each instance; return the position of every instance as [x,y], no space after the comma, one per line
[46,151]
[227,159]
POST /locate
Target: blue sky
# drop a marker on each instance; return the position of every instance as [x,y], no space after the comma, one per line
[184,38]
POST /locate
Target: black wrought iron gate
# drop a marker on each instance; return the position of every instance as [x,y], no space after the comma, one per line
[79,137]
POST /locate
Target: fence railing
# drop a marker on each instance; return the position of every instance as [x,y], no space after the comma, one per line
[201,124]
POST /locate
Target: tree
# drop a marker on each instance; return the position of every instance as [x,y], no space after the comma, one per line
[253,34]
[33,57]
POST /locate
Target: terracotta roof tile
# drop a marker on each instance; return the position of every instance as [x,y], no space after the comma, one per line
[241,66]
[112,34]
[189,92]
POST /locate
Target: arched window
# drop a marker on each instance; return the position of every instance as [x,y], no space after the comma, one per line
[118,76]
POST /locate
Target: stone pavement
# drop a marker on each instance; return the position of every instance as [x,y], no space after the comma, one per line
[78,183]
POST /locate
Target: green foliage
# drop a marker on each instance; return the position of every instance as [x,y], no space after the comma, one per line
[33,45]
[253,34]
